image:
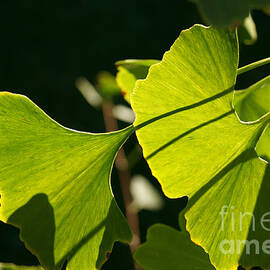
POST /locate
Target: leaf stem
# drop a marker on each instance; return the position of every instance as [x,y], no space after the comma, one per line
[253,65]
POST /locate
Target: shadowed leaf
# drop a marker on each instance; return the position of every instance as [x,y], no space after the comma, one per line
[167,248]
[254,102]
[55,186]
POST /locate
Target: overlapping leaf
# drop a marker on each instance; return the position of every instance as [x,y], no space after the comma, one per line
[253,103]
[54,185]
[129,71]
[196,145]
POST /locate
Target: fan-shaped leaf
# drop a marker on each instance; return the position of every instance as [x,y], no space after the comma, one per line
[54,185]
[196,145]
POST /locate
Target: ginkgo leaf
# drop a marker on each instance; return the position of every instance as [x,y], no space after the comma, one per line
[129,71]
[196,145]
[228,12]
[55,186]
[10,266]
[225,216]
[253,103]
[167,248]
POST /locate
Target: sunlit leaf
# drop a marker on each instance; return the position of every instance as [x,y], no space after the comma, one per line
[253,103]
[55,186]
[196,145]
[225,215]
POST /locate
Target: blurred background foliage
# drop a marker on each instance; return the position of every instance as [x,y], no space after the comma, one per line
[45,47]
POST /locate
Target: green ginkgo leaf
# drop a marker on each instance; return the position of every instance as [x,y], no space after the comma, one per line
[225,216]
[228,12]
[196,145]
[55,186]
[167,248]
[129,71]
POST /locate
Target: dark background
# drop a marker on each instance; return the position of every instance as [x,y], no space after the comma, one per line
[44,47]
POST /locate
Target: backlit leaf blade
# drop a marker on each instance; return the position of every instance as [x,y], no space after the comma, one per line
[54,185]
[191,136]
[167,248]
[129,71]
[224,216]
[180,108]
[253,103]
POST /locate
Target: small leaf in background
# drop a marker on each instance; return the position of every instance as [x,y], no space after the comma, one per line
[254,102]
[145,195]
[129,71]
[167,248]
[177,100]
[10,266]
[195,145]
[247,31]
[55,186]
[107,86]
[228,12]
